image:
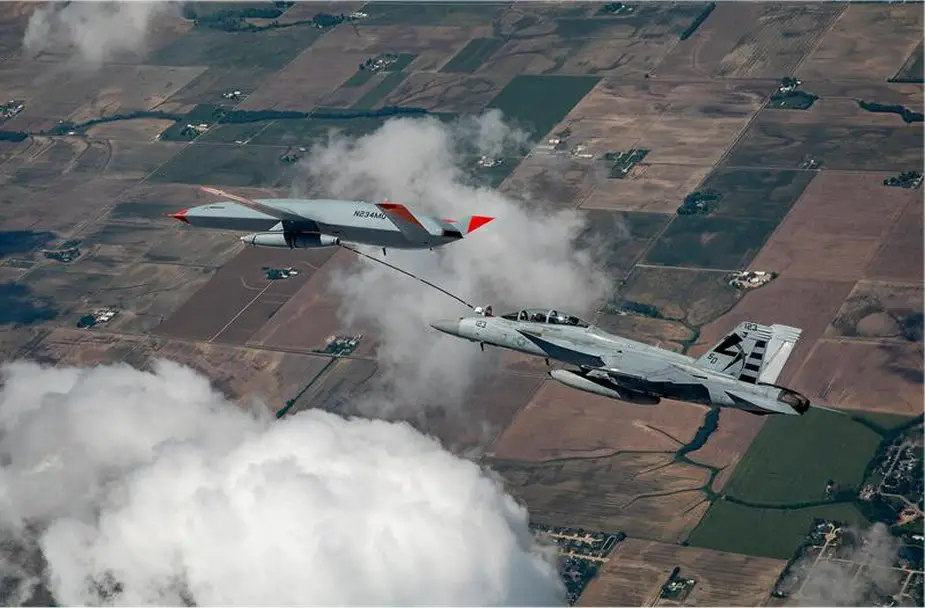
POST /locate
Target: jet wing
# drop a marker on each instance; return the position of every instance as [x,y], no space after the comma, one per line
[405,221]
[564,353]
[275,212]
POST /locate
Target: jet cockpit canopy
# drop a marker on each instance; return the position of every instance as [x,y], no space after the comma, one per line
[548,317]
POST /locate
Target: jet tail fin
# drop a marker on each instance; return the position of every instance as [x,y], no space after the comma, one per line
[752,352]
[471,223]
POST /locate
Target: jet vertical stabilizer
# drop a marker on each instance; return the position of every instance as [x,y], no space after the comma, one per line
[471,223]
[780,347]
[740,354]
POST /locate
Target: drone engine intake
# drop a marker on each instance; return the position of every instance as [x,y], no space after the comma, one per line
[291,240]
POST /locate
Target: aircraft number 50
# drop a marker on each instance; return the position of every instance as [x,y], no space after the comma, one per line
[712,358]
[480,323]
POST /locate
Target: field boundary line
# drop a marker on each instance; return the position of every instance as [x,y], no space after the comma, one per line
[820,38]
[883,240]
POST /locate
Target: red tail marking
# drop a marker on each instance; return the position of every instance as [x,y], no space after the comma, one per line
[477,221]
[179,215]
[399,210]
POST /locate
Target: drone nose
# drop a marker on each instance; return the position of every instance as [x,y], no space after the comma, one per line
[447,326]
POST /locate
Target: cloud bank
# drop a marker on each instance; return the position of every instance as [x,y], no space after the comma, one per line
[95,32]
[527,257]
[148,488]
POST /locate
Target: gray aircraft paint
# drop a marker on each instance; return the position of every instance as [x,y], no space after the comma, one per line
[739,372]
[389,225]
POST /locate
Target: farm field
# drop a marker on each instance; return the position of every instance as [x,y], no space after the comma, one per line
[878,377]
[635,572]
[560,94]
[750,40]
[692,296]
[674,167]
[880,311]
[782,478]
[717,243]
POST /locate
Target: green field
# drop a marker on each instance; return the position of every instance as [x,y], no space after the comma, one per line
[580,29]
[235,166]
[766,194]
[710,242]
[694,296]
[617,238]
[380,91]
[272,49]
[808,450]
[360,78]
[537,103]
[763,532]
[473,55]
[306,131]
[787,466]
[432,13]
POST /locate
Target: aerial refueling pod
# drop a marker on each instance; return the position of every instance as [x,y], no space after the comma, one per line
[291,240]
[601,387]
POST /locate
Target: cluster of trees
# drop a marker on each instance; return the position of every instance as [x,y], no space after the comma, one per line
[699,203]
[907,115]
[234,18]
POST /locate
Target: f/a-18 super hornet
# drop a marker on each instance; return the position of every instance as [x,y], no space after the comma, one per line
[739,372]
[304,223]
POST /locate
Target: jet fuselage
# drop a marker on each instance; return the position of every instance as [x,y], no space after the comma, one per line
[621,368]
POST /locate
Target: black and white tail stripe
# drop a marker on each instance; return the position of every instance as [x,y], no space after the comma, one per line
[753,362]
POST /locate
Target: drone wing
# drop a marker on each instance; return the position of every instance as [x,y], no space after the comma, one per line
[274,212]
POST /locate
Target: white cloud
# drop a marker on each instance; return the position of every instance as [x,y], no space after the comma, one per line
[841,583]
[152,484]
[95,31]
[525,258]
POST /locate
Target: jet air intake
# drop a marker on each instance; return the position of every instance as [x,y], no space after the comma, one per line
[296,240]
[599,387]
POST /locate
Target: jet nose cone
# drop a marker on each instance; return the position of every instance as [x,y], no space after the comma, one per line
[447,326]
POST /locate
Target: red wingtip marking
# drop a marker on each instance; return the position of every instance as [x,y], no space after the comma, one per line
[180,215]
[477,221]
[399,210]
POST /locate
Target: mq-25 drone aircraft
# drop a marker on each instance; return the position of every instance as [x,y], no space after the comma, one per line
[739,372]
[302,223]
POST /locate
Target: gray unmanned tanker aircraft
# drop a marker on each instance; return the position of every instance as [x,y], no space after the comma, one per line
[739,372]
[301,223]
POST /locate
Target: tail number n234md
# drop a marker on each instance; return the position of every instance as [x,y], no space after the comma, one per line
[370,214]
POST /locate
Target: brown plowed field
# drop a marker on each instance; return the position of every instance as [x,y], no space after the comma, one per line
[638,568]
[834,230]
[869,41]
[868,376]
[221,305]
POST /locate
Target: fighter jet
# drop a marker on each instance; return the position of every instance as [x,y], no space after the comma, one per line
[302,223]
[739,372]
